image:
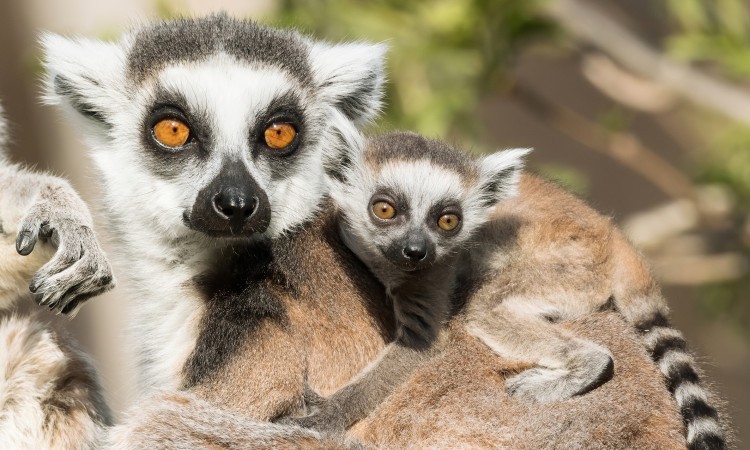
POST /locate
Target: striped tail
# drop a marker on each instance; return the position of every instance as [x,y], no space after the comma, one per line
[669,351]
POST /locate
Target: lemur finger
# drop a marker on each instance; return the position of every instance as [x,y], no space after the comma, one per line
[68,254]
[58,299]
[91,274]
[54,282]
[82,291]
[70,308]
[70,302]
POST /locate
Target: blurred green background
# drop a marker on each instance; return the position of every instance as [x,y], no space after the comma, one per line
[640,106]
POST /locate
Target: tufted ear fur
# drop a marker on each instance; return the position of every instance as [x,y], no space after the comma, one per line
[344,153]
[85,74]
[499,174]
[350,77]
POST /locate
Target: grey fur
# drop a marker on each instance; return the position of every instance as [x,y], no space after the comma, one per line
[166,43]
[409,146]
[49,390]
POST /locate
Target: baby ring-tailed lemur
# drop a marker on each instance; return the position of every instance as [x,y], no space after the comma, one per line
[49,391]
[410,208]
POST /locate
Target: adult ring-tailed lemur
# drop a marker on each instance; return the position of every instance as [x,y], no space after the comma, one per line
[50,395]
[215,138]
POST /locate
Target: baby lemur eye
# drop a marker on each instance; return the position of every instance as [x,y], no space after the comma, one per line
[279,136]
[170,132]
[383,210]
[449,222]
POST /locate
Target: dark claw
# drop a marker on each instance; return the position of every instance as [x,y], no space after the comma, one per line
[34,285]
[25,242]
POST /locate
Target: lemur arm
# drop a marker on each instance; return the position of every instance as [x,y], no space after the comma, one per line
[421,310]
[357,399]
[568,365]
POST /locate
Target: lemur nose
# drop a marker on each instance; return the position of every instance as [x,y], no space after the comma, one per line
[234,205]
[415,251]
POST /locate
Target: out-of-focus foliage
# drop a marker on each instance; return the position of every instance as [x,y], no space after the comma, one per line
[712,31]
[445,55]
[716,34]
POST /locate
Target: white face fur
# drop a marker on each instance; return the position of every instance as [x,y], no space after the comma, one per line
[225,180]
[408,203]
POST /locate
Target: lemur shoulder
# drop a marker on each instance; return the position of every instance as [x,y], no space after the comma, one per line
[50,395]
[215,138]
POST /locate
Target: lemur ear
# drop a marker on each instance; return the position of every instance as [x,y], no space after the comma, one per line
[351,77]
[344,153]
[85,74]
[499,174]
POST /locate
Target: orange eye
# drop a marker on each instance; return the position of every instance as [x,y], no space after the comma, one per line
[383,210]
[279,135]
[448,222]
[171,133]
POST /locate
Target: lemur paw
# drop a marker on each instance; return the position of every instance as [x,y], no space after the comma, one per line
[543,385]
[79,270]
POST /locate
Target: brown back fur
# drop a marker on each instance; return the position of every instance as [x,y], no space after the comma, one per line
[458,400]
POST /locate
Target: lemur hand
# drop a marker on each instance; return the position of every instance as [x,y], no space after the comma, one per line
[79,270]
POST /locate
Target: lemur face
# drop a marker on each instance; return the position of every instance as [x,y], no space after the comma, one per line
[412,202]
[215,125]
[415,212]
[230,140]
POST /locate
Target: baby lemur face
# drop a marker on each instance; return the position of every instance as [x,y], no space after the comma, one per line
[410,202]
[415,213]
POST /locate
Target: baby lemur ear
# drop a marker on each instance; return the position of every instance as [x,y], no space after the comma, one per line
[85,74]
[499,174]
[350,77]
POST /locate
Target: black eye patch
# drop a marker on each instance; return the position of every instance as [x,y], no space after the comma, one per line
[171,164]
[284,109]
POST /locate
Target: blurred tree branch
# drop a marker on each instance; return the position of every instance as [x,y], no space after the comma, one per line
[586,21]
[623,147]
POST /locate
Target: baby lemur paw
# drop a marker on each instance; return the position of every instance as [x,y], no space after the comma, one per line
[588,371]
[79,269]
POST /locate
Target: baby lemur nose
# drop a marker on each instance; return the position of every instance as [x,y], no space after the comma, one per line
[415,251]
[234,205]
